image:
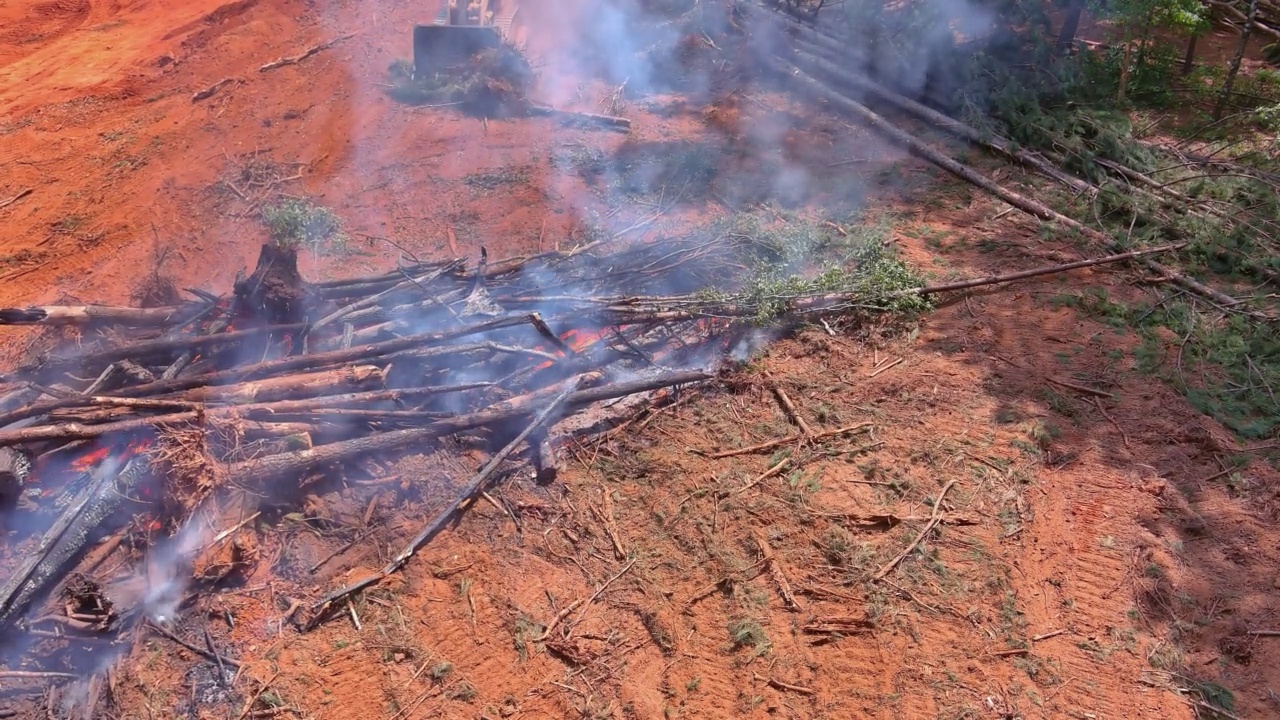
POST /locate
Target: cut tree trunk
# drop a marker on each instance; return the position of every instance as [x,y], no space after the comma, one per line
[1070,25]
[15,466]
[89,314]
[276,293]
[1245,33]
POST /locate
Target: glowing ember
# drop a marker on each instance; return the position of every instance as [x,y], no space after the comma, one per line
[89,460]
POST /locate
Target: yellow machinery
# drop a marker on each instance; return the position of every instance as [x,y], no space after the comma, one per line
[462,29]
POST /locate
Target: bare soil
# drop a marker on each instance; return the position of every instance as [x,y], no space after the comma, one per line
[1094,550]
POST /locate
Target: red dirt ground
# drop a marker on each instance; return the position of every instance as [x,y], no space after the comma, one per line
[1093,554]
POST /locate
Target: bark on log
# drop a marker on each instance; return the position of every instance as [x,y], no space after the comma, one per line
[15,466]
[287,386]
[1021,202]
[306,460]
[89,314]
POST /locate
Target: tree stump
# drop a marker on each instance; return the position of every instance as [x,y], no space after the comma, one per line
[275,293]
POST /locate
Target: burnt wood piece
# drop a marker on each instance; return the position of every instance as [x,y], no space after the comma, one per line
[112,482]
[15,466]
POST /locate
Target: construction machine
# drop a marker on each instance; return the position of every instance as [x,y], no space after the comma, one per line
[462,29]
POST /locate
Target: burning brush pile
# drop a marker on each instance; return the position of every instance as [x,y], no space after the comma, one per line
[161,433]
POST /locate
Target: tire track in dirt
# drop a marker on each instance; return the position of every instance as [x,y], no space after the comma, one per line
[25,30]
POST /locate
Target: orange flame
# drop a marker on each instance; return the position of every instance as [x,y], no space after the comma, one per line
[88,460]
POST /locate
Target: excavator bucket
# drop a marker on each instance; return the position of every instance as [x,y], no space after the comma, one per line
[439,46]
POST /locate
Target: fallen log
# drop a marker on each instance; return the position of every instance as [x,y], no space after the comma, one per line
[79,430]
[993,143]
[286,386]
[968,174]
[90,314]
[153,348]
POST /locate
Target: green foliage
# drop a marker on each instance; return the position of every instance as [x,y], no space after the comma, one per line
[298,223]
[858,272]
[746,632]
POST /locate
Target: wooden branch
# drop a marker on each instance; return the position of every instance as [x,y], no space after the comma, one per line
[789,439]
[11,200]
[213,89]
[513,409]
[791,410]
[1045,270]
[274,367]
[295,59]
[929,526]
[88,314]
[609,121]
[775,571]
[468,492]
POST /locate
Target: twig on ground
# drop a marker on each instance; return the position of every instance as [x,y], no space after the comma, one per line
[599,591]
[261,689]
[605,513]
[885,367]
[21,194]
[791,410]
[783,441]
[929,526]
[775,570]
[210,91]
[193,648]
[785,686]
[1081,388]
[295,59]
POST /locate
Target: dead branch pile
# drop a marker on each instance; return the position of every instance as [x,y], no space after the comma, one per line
[152,414]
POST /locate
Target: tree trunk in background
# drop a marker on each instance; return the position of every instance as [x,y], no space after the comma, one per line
[1070,25]
[1235,61]
[1188,60]
[1125,60]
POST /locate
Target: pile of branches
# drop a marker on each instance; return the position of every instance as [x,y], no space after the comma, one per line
[215,407]
[493,83]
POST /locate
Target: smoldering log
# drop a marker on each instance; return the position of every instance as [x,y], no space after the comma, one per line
[112,483]
[170,347]
[506,411]
[15,467]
